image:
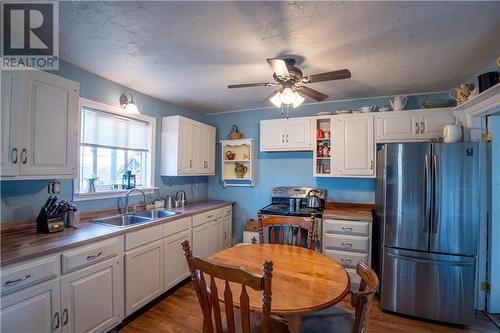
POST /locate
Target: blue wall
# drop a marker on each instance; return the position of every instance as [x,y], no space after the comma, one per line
[22,199]
[290,168]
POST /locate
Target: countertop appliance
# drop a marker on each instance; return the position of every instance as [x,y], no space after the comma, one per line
[428,211]
[283,196]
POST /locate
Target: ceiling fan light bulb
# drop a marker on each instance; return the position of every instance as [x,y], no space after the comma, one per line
[298,100]
[287,96]
[276,99]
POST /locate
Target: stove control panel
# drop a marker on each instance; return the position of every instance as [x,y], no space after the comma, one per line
[296,192]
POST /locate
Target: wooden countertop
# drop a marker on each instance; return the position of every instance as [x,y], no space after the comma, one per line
[348,211]
[20,241]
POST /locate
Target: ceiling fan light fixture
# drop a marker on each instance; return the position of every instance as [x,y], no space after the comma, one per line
[288,96]
[298,100]
[276,99]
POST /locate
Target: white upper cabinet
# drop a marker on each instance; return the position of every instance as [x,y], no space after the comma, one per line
[187,147]
[412,125]
[293,134]
[40,124]
[353,146]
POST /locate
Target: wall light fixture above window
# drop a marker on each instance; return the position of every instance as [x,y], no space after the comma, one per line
[127,103]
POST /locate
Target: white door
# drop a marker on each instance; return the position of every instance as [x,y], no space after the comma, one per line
[92,298]
[298,134]
[216,234]
[175,267]
[185,162]
[398,126]
[198,148]
[143,275]
[211,150]
[272,135]
[433,121]
[51,118]
[11,122]
[32,310]
[227,222]
[201,239]
[353,145]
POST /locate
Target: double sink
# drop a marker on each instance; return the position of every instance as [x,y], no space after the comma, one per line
[129,219]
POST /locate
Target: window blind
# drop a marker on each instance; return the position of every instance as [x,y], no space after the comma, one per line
[104,129]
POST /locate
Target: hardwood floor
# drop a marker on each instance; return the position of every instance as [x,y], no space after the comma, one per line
[180,312]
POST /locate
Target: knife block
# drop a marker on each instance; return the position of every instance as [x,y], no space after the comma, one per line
[50,224]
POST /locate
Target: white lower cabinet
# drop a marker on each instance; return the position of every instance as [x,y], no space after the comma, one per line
[92,298]
[143,275]
[175,269]
[227,226]
[201,239]
[347,242]
[32,310]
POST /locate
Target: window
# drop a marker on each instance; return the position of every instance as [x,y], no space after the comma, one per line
[110,145]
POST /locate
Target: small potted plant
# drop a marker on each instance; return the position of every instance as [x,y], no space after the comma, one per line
[91,183]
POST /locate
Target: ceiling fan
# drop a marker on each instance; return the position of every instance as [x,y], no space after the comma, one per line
[288,77]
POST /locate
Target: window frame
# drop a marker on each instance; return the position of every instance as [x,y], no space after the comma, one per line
[82,196]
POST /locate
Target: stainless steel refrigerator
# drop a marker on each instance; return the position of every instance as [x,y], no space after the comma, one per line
[428,211]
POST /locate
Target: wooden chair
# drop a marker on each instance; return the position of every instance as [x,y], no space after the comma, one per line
[293,224]
[237,320]
[339,320]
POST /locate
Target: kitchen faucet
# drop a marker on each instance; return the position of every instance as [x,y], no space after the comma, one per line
[128,194]
[181,197]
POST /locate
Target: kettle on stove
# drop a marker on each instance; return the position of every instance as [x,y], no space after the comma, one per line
[312,199]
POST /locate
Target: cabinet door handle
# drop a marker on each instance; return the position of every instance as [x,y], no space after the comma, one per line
[371,165]
[346,228]
[225,235]
[417,128]
[56,322]
[347,244]
[422,127]
[287,138]
[92,257]
[190,163]
[346,260]
[283,138]
[65,317]
[209,216]
[21,279]
[24,156]
[14,155]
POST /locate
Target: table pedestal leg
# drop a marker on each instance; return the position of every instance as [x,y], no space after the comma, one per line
[294,323]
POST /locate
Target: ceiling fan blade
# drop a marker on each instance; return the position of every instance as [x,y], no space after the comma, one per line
[314,94]
[246,85]
[328,76]
[278,66]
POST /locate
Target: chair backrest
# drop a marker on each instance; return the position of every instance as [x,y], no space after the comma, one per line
[361,299]
[292,224]
[208,295]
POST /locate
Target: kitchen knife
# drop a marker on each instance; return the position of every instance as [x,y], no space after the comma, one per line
[47,204]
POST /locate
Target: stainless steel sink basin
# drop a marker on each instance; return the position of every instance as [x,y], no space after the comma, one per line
[157,213]
[123,220]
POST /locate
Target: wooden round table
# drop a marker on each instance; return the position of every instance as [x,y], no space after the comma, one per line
[303,280]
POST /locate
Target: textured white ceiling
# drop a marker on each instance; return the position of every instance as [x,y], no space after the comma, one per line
[187,52]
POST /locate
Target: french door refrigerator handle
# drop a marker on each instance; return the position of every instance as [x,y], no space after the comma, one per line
[435,206]
[427,195]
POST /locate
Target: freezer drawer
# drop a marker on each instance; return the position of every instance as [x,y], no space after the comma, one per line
[427,285]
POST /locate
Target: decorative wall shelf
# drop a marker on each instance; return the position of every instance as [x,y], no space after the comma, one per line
[240,170]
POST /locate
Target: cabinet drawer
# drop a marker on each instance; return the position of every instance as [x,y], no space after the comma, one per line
[203,218]
[28,273]
[74,259]
[347,259]
[144,236]
[347,243]
[228,210]
[346,227]
[176,226]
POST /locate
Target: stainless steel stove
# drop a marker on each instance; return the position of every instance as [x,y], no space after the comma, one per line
[283,196]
